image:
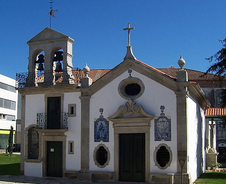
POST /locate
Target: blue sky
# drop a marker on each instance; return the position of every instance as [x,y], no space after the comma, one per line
[164,29]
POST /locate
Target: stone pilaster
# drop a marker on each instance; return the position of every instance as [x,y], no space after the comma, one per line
[84,173]
[182,125]
[68,77]
[48,72]
[182,93]
[30,80]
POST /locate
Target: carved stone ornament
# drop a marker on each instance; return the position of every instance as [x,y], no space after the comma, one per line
[131,113]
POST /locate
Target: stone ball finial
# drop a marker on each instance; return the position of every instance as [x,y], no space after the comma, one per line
[86,70]
[181,62]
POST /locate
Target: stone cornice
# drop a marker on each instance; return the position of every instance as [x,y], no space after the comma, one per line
[42,89]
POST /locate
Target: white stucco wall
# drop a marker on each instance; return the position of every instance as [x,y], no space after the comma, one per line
[33,104]
[153,97]
[195,134]
[73,161]
[36,104]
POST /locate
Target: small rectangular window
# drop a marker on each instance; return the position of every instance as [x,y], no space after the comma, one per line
[71,110]
[70,147]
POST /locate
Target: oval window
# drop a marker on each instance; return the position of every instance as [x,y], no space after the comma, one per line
[132,89]
[163,156]
[101,156]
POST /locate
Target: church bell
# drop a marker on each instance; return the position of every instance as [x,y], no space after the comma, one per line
[40,62]
[58,67]
[58,57]
[40,67]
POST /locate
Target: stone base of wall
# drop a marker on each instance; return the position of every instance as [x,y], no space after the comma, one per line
[106,177]
[162,178]
[109,177]
[71,174]
[103,177]
[169,178]
[186,178]
[84,176]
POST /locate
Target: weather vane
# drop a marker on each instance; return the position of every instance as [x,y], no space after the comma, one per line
[51,12]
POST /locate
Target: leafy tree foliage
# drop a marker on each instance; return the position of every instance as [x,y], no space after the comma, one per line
[219,67]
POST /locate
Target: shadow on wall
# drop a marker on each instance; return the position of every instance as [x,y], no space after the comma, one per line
[200,146]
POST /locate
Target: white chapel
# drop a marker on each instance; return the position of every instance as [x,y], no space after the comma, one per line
[132,123]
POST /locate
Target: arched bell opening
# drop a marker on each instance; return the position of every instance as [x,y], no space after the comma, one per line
[57,59]
[39,59]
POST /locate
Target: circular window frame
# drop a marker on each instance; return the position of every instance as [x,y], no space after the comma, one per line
[170,156]
[126,82]
[94,156]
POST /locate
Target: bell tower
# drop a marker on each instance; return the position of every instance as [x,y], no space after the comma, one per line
[50,59]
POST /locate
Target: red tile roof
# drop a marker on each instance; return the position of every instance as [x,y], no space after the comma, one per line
[95,74]
[213,112]
[158,70]
[193,75]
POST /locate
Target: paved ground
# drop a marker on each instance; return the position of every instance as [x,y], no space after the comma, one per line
[6,179]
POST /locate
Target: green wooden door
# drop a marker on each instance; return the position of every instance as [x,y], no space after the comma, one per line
[53,113]
[54,159]
[132,157]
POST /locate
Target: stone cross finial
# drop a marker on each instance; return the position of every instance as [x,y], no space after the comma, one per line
[128,28]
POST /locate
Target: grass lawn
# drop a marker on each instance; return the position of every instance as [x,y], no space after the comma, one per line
[9,165]
[212,178]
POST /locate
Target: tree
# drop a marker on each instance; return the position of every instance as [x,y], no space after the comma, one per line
[10,141]
[219,67]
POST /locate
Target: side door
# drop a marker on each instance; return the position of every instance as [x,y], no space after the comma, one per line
[54,159]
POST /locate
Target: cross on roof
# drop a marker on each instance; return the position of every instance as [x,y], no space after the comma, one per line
[128,28]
